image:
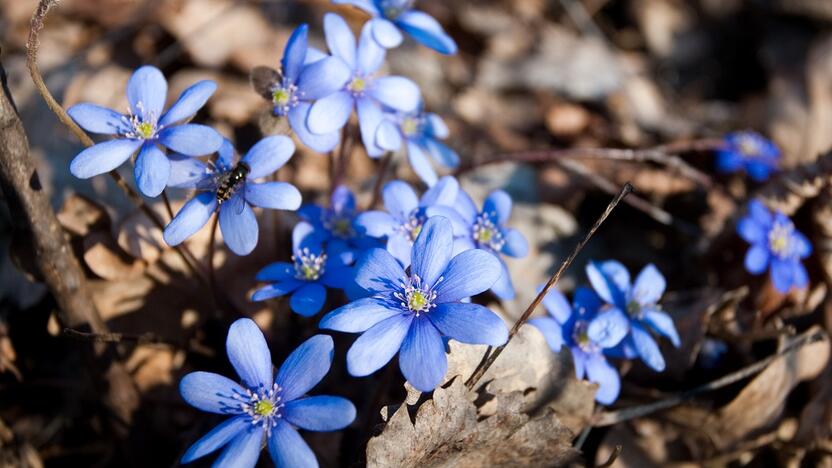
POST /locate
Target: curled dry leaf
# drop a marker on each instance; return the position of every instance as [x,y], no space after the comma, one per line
[105,259]
[139,237]
[79,215]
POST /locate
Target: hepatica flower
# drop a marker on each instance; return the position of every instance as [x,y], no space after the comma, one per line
[420,132]
[775,245]
[263,408]
[229,187]
[304,76]
[391,15]
[588,329]
[334,225]
[406,214]
[364,91]
[639,301]
[312,270]
[409,312]
[146,129]
[486,230]
[749,152]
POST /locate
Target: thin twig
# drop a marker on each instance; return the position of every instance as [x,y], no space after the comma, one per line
[112,337]
[382,170]
[613,417]
[487,362]
[344,152]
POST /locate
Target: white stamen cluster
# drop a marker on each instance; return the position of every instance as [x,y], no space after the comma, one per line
[140,129]
[412,227]
[415,296]
[358,85]
[780,239]
[487,234]
[338,224]
[308,266]
[581,336]
[263,406]
[285,97]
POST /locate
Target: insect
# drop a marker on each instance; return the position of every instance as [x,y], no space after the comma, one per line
[229,182]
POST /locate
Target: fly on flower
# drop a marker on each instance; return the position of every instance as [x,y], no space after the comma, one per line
[229,187]
[263,407]
[146,129]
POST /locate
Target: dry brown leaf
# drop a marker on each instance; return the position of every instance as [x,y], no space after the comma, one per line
[137,235]
[79,215]
[105,259]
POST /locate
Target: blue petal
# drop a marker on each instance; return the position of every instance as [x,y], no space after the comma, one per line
[647,348]
[276,290]
[442,153]
[190,101]
[760,213]
[458,225]
[191,139]
[147,90]
[750,230]
[370,52]
[399,199]
[466,207]
[320,413]
[385,33]
[516,244]
[329,114]
[342,200]
[432,250]
[308,300]
[365,5]
[185,171]
[400,247]
[649,285]
[600,371]
[304,236]
[551,330]
[605,285]
[322,143]
[498,206]
[758,170]
[375,223]
[396,92]
[274,195]
[437,126]
[422,357]
[378,271]
[249,353]
[503,287]
[152,170]
[729,161]
[190,218]
[211,392]
[370,117]
[278,271]
[557,305]
[375,347]
[268,155]
[782,274]
[238,225]
[801,276]
[420,164]
[467,274]
[359,316]
[608,328]
[663,324]
[225,155]
[803,248]
[586,300]
[340,39]
[388,136]
[97,119]
[305,367]
[323,78]
[102,157]
[427,31]
[579,358]
[443,193]
[217,438]
[469,323]
[243,451]
[294,54]
[288,449]
[756,259]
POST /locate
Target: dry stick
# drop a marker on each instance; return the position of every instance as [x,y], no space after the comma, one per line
[488,361]
[344,153]
[613,417]
[382,170]
[144,338]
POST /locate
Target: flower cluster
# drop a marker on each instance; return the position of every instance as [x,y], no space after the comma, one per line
[616,318]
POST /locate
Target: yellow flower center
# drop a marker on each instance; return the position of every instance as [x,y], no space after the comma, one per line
[357,85]
[417,301]
[264,407]
[281,96]
[410,126]
[748,146]
[145,129]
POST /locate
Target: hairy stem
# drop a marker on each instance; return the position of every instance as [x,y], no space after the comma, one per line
[382,171]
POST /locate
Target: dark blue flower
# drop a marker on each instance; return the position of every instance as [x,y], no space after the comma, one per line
[364,91]
[263,407]
[145,129]
[486,230]
[589,330]
[639,301]
[749,152]
[410,312]
[305,75]
[231,188]
[420,132]
[313,269]
[406,213]
[775,245]
[390,14]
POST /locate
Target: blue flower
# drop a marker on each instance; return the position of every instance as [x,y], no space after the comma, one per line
[639,301]
[145,129]
[749,152]
[775,245]
[420,132]
[364,91]
[305,76]
[406,213]
[264,408]
[410,312]
[312,270]
[486,230]
[390,14]
[231,188]
[588,329]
